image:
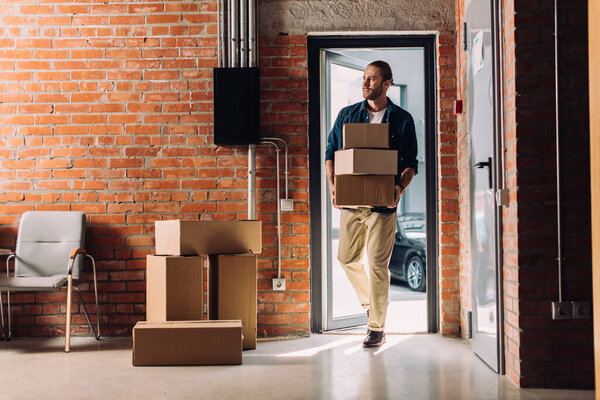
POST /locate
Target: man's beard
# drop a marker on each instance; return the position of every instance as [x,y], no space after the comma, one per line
[373,94]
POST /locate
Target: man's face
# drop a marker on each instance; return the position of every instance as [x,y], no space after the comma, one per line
[373,84]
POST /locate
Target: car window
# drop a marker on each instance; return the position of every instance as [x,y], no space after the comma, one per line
[412,226]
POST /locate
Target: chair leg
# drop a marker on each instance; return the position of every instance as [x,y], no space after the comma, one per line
[87,315]
[2,315]
[8,311]
[96,295]
[68,328]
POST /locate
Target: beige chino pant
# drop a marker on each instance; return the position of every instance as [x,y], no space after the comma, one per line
[360,227]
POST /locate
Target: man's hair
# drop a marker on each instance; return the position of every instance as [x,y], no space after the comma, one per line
[385,69]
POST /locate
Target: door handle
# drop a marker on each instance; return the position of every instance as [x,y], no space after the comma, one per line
[488,164]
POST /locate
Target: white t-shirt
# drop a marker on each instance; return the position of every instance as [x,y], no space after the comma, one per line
[376,117]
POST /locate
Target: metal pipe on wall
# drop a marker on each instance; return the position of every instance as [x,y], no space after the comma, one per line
[278,207]
[219,27]
[286,171]
[558,213]
[233,33]
[230,46]
[252,54]
[252,148]
[236,16]
[224,29]
[243,33]
[251,181]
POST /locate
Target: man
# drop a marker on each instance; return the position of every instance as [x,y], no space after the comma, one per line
[373,226]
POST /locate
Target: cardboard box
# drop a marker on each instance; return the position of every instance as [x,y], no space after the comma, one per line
[366,136]
[174,288]
[232,291]
[177,238]
[364,190]
[366,162]
[187,343]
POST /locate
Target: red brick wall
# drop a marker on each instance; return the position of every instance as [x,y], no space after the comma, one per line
[553,353]
[510,222]
[540,352]
[463,160]
[107,109]
[448,243]
[284,103]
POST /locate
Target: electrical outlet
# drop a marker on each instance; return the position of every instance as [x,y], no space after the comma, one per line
[581,309]
[287,205]
[278,283]
[562,310]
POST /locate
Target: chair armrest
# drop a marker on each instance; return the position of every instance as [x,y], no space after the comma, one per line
[75,252]
[72,256]
[10,254]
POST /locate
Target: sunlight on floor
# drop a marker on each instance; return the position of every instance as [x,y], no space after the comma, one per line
[356,345]
[407,316]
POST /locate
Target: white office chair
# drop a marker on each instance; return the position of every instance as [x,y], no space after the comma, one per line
[48,257]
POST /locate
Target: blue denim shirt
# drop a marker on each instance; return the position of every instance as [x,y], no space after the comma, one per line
[402,136]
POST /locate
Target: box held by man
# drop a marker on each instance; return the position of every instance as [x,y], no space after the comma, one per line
[364,190]
[366,162]
[366,136]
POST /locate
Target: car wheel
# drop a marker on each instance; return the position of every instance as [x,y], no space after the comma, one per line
[415,274]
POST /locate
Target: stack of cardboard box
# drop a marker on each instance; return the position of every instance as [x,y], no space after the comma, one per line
[174,332]
[365,168]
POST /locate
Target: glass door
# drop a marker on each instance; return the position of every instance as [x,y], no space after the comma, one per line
[485,274]
[341,82]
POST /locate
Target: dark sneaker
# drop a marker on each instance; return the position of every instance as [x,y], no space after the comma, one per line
[374,339]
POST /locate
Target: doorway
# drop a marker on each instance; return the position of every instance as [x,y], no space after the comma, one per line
[336,65]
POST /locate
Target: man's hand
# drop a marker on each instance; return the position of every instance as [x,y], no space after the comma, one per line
[399,193]
[332,195]
[331,181]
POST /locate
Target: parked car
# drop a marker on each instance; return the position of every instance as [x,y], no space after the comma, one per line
[408,256]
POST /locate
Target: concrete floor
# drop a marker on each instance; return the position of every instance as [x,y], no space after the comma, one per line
[320,367]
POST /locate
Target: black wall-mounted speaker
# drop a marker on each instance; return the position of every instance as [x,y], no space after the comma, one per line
[236,106]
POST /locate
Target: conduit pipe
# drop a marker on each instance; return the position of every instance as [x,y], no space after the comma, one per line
[242,51]
[278,196]
[243,33]
[249,17]
[286,171]
[230,42]
[219,26]
[252,54]
[558,214]
[235,32]
[221,11]
[252,181]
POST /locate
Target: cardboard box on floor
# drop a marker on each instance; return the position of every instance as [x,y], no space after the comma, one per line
[364,190]
[187,343]
[174,288]
[366,162]
[175,237]
[366,136]
[232,291]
